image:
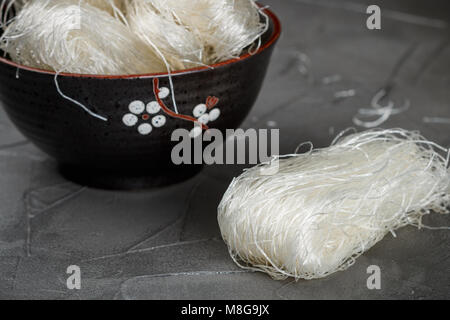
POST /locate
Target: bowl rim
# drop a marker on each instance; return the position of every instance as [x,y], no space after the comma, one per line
[274,37]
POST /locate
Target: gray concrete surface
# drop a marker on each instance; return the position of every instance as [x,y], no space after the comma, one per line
[166,244]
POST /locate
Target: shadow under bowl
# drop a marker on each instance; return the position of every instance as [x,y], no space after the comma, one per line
[121,153]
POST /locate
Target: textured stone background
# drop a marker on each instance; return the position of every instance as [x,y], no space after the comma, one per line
[166,244]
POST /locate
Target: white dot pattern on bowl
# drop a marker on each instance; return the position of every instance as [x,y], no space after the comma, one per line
[136,107]
[145,129]
[130,119]
[199,110]
[159,121]
[148,113]
[204,119]
[214,114]
[195,132]
[163,93]
[153,107]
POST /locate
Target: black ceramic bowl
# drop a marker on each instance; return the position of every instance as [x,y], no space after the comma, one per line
[121,153]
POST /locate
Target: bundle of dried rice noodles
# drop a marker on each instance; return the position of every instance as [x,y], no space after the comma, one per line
[323,209]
